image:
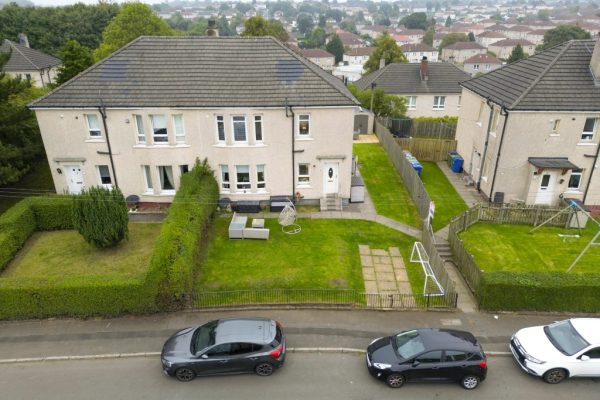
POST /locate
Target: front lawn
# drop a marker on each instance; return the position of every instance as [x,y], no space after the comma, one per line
[60,254]
[324,255]
[384,184]
[510,248]
[448,202]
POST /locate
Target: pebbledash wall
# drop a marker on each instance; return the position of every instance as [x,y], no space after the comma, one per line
[68,144]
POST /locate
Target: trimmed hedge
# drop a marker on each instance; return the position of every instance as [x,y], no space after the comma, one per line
[552,291]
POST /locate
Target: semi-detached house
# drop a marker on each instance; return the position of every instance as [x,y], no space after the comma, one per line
[270,122]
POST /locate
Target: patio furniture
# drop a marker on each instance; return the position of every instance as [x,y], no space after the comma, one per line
[247,206]
[236,226]
[258,223]
[238,230]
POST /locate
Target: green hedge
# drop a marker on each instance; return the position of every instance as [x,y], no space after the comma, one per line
[52,213]
[553,291]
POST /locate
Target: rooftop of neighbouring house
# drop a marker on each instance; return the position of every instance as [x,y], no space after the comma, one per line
[23,58]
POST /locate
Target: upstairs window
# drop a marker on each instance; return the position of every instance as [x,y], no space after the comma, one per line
[258,133]
[439,102]
[139,128]
[179,129]
[93,125]
[220,129]
[588,129]
[239,129]
[159,129]
[304,125]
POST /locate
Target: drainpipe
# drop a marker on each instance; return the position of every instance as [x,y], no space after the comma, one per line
[587,187]
[102,111]
[293,116]
[504,113]
[485,146]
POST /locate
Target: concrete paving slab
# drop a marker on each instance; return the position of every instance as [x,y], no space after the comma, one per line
[395,252]
[386,276]
[387,285]
[366,261]
[383,268]
[379,252]
[363,249]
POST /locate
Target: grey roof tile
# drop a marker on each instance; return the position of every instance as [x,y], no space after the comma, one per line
[24,58]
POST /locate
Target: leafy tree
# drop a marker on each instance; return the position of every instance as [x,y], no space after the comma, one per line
[100,216]
[383,20]
[452,38]
[315,39]
[386,48]
[428,37]
[561,34]
[75,59]
[516,54]
[448,22]
[198,27]
[243,7]
[258,26]
[544,15]
[384,105]
[134,20]
[178,22]
[348,25]
[471,36]
[224,27]
[415,21]
[322,21]
[305,23]
[336,47]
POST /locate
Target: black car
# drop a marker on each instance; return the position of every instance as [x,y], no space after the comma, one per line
[427,355]
[225,346]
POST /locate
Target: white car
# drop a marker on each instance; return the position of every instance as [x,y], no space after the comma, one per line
[569,348]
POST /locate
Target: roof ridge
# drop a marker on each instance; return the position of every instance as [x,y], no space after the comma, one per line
[540,76]
[13,45]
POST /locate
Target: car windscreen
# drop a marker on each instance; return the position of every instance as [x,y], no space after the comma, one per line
[565,338]
[204,336]
[408,344]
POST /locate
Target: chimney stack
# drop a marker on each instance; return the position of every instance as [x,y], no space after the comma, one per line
[381,62]
[424,69]
[212,29]
[23,40]
[595,62]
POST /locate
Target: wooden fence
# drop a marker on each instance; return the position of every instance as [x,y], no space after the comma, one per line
[428,149]
[415,128]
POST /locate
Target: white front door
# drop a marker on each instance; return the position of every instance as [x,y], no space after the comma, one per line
[74,178]
[330,178]
[545,194]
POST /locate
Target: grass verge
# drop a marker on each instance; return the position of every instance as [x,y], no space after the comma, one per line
[448,202]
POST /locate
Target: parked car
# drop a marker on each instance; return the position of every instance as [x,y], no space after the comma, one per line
[564,349]
[225,346]
[428,355]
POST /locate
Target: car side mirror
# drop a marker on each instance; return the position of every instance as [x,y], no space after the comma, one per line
[204,356]
[415,363]
[584,358]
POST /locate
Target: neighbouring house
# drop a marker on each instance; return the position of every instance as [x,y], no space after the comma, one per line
[503,48]
[414,35]
[458,52]
[430,89]
[536,36]
[481,64]
[517,32]
[401,40]
[29,63]
[350,40]
[488,37]
[358,56]
[322,58]
[529,131]
[269,122]
[415,52]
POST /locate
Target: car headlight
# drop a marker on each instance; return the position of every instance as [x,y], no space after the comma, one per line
[382,365]
[533,359]
[166,363]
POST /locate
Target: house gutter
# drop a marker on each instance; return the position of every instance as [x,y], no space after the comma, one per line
[102,111]
[504,113]
[293,116]
[587,187]
[485,146]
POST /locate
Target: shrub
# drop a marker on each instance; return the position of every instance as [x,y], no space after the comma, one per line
[445,119]
[100,216]
[52,213]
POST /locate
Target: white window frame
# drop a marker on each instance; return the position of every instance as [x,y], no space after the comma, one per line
[225,184]
[303,179]
[439,105]
[476,67]
[303,118]
[233,122]
[153,117]
[261,184]
[179,128]
[147,173]
[241,185]
[93,133]
[220,122]
[588,136]
[258,121]
[140,134]
[575,172]
[410,104]
[160,180]
[99,173]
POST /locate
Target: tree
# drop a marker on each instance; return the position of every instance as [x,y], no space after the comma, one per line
[336,47]
[386,48]
[100,216]
[348,25]
[305,23]
[544,15]
[315,39]
[452,38]
[471,36]
[428,37]
[75,59]
[384,105]
[134,20]
[516,54]
[258,26]
[561,34]
[322,21]
[448,22]
[415,21]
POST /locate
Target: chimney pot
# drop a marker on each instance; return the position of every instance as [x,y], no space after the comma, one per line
[381,62]
[23,40]
[424,69]
[212,29]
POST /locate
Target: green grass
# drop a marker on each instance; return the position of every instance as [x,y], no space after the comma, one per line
[385,186]
[59,254]
[38,179]
[324,255]
[510,248]
[448,202]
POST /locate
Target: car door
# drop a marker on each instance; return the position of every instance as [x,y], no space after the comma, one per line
[244,357]
[425,366]
[216,360]
[455,364]
[587,364]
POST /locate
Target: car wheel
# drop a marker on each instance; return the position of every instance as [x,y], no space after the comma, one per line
[395,380]
[555,375]
[264,369]
[184,374]
[470,382]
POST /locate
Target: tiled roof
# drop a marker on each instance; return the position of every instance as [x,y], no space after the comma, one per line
[190,71]
[315,53]
[482,59]
[465,46]
[405,79]
[360,51]
[23,58]
[491,34]
[348,38]
[512,42]
[420,47]
[558,79]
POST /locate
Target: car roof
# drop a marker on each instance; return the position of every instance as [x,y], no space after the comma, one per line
[450,339]
[588,328]
[245,330]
